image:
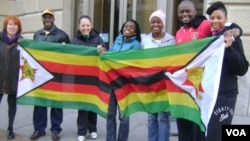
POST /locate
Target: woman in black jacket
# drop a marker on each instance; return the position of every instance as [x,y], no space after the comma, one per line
[234,64]
[87,36]
[9,65]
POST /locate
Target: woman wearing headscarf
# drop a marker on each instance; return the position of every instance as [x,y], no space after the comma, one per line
[158,123]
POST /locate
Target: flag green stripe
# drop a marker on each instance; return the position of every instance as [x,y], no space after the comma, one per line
[189,113]
[60,48]
[177,111]
[27,100]
[186,48]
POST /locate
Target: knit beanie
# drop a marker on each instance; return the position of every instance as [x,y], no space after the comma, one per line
[160,14]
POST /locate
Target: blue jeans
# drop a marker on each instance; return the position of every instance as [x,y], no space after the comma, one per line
[40,119]
[111,122]
[158,127]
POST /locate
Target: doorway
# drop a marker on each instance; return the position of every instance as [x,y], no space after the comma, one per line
[109,15]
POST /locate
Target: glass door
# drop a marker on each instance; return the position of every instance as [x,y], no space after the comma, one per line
[100,13]
[109,15]
[140,10]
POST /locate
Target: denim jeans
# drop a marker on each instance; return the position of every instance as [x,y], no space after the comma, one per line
[40,119]
[111,122]
[158,127]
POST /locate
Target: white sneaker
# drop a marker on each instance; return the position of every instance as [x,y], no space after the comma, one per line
[92,135]
[80,138]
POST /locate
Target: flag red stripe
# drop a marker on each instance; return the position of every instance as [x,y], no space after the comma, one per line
[128,88]
[129,72]
[76,88]
[75,69]
[164,84]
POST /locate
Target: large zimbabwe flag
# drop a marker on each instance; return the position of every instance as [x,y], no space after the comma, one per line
[182,79]
[62,76]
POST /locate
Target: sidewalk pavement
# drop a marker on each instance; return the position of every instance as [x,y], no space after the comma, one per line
[23,126]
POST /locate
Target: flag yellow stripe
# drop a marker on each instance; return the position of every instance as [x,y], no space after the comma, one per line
[70,97]
[176,60]
[173,98]
[182,99]
[62,58]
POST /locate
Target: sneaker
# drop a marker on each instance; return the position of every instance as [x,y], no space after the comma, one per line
[55,136]
[11,135]
[92,135]
[37,135]
[80,138]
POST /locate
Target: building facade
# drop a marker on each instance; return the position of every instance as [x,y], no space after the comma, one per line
[108,16]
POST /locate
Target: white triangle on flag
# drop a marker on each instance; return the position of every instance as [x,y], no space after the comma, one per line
[31,73]
[204,94]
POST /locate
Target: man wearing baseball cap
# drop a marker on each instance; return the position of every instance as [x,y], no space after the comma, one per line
[49,33]
[47,11]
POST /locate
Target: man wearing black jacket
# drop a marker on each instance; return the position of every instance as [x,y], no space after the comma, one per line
[49,33]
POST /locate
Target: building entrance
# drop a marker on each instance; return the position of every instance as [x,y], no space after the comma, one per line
[109,15]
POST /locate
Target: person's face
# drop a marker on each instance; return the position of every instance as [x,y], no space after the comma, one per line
[48,21]
[85,26]
[217,20]
[129,29]
[186,13]
[156,25]
[11,28]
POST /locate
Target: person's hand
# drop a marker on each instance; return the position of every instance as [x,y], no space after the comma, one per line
[100,49]
[234,31]
[229,38]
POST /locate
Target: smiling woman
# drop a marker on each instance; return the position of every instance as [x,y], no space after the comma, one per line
[223,111]
[87,36]
[158,123]
[9,65]
[129,38]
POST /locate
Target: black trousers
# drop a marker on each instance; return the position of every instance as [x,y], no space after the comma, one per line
[222,114]
[12,109]
[86,121]
[189,131]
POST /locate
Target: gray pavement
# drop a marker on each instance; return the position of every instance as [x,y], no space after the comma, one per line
[23,127]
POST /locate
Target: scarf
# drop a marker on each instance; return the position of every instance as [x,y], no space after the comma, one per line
[215,32]
[10,41]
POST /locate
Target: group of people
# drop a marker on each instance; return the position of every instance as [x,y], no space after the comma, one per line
[193,27]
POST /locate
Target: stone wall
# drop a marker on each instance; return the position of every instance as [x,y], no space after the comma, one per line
[30,11]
